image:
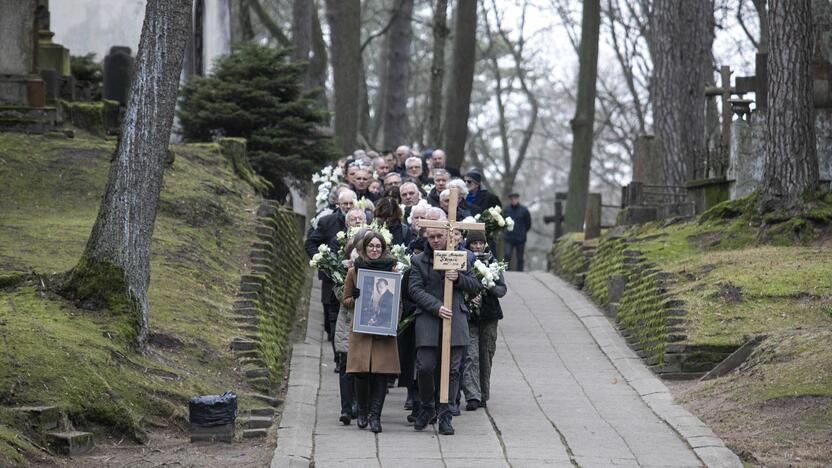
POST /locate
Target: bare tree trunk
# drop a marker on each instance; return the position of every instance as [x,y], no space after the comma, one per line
[246,30]
[396,125]
[762,15]
[791,164]
[381,95]
[437,73]
[302,30]
[681,35]
[345,35]
[271,26]
[584,119]
[455,120]
[115,266]
[319,63]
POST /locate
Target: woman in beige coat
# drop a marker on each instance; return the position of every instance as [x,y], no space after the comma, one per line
[371,358]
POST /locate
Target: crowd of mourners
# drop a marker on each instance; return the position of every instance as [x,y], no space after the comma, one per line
[369,213]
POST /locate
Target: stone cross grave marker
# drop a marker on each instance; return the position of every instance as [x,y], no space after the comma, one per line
[446,260]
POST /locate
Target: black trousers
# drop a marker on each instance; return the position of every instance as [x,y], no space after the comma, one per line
[428,363]
[509,251]
[345,383]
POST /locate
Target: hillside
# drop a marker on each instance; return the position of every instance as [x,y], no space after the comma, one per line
[697,290]
[60,353]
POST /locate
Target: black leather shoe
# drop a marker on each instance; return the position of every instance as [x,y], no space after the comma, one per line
[345,418]
[425,416]
[375,424]
[472,405]
[445,427]
[483,405]
[411,418]
[362,421]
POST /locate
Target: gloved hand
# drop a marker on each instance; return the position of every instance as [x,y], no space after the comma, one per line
[355,293]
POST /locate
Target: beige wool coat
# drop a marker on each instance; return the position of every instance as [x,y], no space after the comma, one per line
[367,353]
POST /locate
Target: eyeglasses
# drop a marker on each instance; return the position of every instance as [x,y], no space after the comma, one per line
[469,181]
[374,246]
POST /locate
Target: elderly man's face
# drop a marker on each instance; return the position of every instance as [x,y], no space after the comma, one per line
[391,160]
[440,181]
[414,168]
[410,195]
[393,182]
[381,167]
[437,158]
[402,154]
[361,180]
[345,203]
[457,236]
[356,219]
[444,203]
[437,238]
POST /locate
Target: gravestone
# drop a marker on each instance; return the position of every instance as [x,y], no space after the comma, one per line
[18,55]
[118,71]
[648,165]
[744,170]
[592,217]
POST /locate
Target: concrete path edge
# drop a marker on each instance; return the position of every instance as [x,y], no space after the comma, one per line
[710,449]
[295,442]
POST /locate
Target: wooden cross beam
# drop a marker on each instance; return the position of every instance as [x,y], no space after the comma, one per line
[442,260]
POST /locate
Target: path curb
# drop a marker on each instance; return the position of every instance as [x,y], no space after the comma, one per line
[295,444]
[710,449]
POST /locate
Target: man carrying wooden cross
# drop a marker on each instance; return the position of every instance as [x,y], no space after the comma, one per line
[442,315]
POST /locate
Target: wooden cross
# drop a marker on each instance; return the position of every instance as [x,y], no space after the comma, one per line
[449,260]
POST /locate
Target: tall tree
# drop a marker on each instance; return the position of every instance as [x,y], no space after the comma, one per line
[437,73]
[396,125]
[791,161]
[680,44]
[115,266]
[584,120]
[302,29]
[319,63]
[455,120]
[344,18]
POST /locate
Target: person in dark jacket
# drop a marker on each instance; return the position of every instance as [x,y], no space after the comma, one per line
[426,291]
[326,233]
[476,380]
[478,196]
[514,245]
[389,213]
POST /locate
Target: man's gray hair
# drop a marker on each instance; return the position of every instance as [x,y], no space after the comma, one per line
[344,193]
[412,159]
[460,184]
[436,211]
[416,187]
[439,171]
[392,174]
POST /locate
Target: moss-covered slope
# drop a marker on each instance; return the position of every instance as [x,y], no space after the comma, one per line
[58,353]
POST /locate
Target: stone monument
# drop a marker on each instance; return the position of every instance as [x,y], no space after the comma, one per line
[118,70]
[19,83]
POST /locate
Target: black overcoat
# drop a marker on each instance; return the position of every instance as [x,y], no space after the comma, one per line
[326,233]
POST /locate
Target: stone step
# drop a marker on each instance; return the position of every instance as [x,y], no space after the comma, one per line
[70,442]
[253,287]
[250,354]
[258,422]
[246,312]
[249,328]
[244,304]
[255,433]
[257,372]
[261,383]
[268,399]
[256,362]
[224,433]
[243,344]
[249,295]
[253,337]
[246,319]
[41,418]
[262,412]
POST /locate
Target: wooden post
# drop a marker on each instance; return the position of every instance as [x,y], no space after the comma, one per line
[592,218]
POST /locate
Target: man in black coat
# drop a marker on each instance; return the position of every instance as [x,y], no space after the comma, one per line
[326,233]
[515,240]
[426,291]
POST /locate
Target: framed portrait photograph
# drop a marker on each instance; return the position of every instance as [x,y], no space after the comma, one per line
[377,308]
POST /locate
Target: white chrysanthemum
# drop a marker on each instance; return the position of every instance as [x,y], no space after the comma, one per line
[323,249]
[340,236]
[509,223]
[469,219]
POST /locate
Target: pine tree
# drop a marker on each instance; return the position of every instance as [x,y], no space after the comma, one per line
[257,93]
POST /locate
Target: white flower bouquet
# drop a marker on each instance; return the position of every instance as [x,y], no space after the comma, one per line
[487,274]
[325,180]
[399,251]
[330,264]
[494,221]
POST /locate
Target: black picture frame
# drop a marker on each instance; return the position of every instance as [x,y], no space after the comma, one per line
[377,308]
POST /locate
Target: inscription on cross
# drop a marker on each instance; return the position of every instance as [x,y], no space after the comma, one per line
[449,259]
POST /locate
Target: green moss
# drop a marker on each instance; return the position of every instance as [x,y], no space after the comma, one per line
[607,261]
[98,118]
[57,353]
[14,448]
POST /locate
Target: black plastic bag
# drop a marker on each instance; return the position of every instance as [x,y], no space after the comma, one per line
[213,410]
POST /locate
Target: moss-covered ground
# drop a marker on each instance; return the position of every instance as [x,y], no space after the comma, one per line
[55,352]
[741,274]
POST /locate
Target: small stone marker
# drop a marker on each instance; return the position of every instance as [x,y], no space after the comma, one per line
[447,259]
[592,216]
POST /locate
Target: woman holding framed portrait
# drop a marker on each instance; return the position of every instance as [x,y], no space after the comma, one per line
[372,289]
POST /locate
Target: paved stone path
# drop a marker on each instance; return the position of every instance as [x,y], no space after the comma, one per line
[566,391]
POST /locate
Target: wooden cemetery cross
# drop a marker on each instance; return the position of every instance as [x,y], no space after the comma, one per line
[449,259]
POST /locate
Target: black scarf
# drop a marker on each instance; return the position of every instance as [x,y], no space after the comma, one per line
[381,264]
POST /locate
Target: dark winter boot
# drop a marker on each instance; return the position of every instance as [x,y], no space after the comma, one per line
[378,391]
[414,413]
[445,417]
[362,397]
[425,416]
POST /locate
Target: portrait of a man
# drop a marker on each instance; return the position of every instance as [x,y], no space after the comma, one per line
[378,311]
